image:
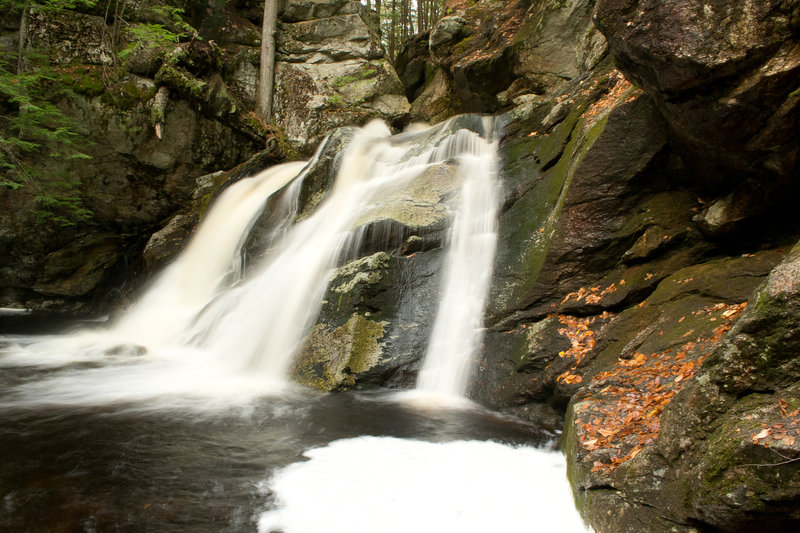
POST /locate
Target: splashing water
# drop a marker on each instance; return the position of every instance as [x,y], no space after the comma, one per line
[398,486]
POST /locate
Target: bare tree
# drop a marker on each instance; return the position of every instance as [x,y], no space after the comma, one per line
[266,75]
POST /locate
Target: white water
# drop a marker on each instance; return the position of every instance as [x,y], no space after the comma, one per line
[202,330]
[214,254]
[371,484]
[457,331]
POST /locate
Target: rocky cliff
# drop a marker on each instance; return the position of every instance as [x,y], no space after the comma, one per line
[646,281]
[159,99]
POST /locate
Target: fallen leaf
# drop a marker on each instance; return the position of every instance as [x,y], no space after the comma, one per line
[762,435]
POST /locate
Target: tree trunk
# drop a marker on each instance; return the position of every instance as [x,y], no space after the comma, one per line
[378,8]
[266,75]
[23,39]
[404,19]
[392,29]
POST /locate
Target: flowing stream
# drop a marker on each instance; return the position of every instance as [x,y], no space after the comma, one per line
[179,415]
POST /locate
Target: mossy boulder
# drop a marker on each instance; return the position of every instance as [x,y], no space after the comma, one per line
[569,206]
[374,323]
[333,359]
[711,464]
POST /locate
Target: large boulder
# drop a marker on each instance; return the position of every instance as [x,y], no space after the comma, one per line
[331,72]
[724,75]
[374,323]
[668,441]
[489,56]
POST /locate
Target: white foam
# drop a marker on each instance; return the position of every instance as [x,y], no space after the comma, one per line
[387,485]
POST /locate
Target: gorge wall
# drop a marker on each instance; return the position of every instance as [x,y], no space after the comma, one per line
[646,284]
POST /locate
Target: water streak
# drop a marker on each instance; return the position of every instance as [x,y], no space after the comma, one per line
[212,256]
[457,331]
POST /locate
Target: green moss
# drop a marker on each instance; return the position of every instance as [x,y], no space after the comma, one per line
[730,458]
[288,152]
[181,81]
[548,148]
[532,220]
[331,357]
[86,80]
[464,45]
[365,349]
[430,72]
[367,71]
[200,206]
[336,100]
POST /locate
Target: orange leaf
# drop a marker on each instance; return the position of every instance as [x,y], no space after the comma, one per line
[762,435]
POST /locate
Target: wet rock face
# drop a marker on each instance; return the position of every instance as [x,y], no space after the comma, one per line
[331,72]
[690,44]
[724,74]
[369,334]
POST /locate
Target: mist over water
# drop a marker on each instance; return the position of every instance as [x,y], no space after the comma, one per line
[393,485]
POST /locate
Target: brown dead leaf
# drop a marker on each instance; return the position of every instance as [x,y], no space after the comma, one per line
[762,435]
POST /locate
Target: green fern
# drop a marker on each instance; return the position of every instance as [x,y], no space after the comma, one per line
[33,128]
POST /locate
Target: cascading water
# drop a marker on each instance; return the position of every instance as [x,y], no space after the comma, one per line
[167,420]
[202,328]
[189,283]
[457,331]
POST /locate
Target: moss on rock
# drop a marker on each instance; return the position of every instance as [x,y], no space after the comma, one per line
[333,357]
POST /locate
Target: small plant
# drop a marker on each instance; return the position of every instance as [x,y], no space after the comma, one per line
[147,36]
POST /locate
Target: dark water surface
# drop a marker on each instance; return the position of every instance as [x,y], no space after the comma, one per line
[146,466]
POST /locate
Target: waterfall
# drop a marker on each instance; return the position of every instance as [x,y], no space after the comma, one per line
[205,326]
[190,283]
[457,331]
